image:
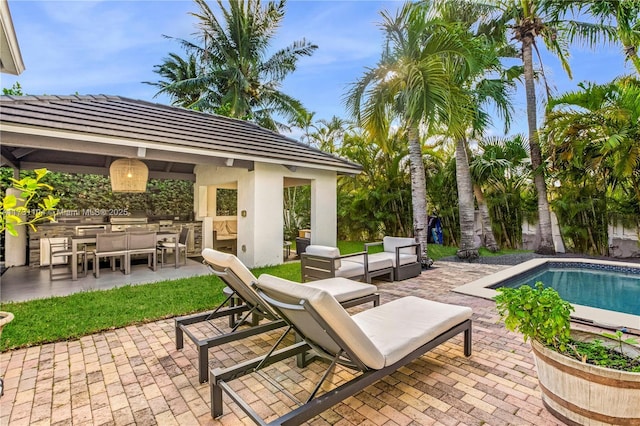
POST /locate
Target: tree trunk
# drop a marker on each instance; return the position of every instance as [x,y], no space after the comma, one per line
[488,238]
[545,237]
[418,192]
[467,249]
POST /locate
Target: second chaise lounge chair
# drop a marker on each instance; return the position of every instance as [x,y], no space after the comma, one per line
[376,342]
[239,281]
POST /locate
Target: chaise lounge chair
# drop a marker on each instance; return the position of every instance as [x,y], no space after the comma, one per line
[376,342]
[239,280]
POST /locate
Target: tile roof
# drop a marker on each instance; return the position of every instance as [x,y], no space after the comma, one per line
[163,127]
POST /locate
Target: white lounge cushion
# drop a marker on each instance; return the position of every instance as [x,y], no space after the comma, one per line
[389,244]
[227,260]
[374,263]
[405,259]
[329,308]
[343,289]
[401,326]
[379,336]
[325,251]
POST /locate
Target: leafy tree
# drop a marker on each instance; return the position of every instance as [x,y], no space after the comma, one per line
[414,81]
[15,90]
[234,75]
[593,136]
[531,20]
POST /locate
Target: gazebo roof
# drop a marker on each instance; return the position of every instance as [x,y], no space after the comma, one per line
[84,134]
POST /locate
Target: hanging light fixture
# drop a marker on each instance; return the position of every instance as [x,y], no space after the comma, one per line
[128,175]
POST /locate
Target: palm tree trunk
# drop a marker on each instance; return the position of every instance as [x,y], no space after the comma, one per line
[467,249]
[487,230]
[545,237]
[418,192]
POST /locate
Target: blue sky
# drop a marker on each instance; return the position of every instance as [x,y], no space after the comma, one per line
[110,47]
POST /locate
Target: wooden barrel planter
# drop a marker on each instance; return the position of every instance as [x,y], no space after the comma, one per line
[582,394]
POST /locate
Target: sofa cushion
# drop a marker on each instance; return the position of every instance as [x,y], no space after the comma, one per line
[232,226]
[403,325]
[405,259]
[325,251]
[374,263]
[343,289]
[350,269]
[390,243]
[220,226]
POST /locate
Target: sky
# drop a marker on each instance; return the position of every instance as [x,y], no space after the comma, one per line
[110,47]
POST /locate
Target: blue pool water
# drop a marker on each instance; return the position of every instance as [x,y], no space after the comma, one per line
[605,289]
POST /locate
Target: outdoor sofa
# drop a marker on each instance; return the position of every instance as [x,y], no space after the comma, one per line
[376,342]
[243,306]
[320,262]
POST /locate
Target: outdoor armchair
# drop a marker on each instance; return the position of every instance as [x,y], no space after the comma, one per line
[320,262]
[376,342]
[164,246]
[239,280]
[114,246]
[143,243]
[404,254]
[63,249]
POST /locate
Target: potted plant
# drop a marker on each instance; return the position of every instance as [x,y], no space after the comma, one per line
[585,378]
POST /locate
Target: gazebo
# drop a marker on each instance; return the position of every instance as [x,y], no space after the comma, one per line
[86,134]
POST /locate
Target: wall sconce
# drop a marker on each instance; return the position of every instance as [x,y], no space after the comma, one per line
[243,213]
[128,175]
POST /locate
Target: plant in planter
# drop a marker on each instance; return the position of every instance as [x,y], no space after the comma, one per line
[585,378]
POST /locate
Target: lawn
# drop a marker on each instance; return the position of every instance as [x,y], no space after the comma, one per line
[69,317]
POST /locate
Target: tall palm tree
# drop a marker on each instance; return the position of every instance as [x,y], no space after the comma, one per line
[237,76]
[485,83]
[547,20]
[414,81]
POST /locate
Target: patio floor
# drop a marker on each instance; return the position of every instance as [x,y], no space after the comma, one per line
[134,375]
[20,283]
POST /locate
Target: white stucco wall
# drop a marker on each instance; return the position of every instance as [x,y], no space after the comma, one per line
[260,194]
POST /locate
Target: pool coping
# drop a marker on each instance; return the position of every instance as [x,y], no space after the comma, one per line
[596,316]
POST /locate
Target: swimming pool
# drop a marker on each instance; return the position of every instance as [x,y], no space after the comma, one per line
[602,292]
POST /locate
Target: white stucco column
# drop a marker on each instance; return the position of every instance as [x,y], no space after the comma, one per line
[324,209]
[15,248]
[268,217]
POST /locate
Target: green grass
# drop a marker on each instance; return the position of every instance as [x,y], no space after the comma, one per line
[69,317]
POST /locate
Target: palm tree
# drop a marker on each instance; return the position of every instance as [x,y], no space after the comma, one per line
[596,130]
[624,15]
[175,69]
[485,83]
[501,172]
[237,77]
[545,19]
[414,81]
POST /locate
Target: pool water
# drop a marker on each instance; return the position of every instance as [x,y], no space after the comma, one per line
[613,291]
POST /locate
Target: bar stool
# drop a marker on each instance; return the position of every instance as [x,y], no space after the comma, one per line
[63,249]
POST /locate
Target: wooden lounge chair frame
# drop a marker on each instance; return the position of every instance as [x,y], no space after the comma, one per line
[238,314]
[315,405]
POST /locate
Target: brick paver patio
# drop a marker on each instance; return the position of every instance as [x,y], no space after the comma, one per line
[134,375]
